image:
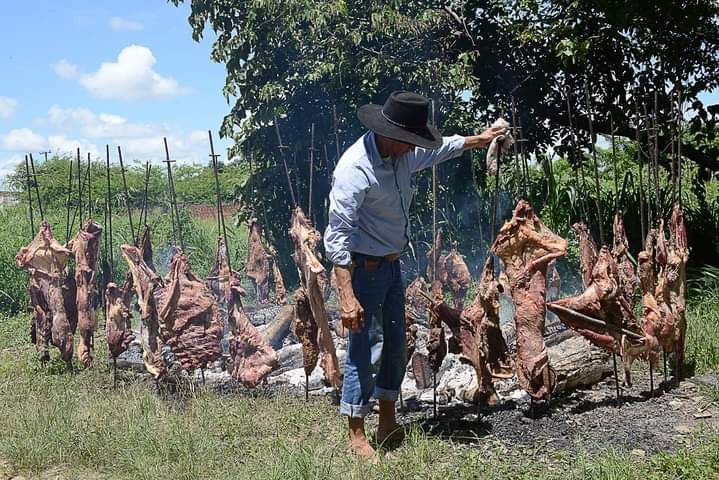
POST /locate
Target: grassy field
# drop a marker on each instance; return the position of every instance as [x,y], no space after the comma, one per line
[77,426]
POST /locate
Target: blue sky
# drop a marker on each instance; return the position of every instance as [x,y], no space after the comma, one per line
[90,73]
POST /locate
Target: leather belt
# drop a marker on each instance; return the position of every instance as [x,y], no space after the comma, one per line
[371,262]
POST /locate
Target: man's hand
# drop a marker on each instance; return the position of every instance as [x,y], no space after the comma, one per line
[484,138]
[351,312]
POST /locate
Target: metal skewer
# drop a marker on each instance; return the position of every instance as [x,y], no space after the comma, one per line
[29,197]
[37,188]
[282,148]
[127,197]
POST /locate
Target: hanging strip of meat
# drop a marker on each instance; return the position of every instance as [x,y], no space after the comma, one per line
[280,291]
[258,263]
[526,246]
[45,259]
[304,239]
[628,279]
[145,281]
[587,252]
[416,302]
[118,324]
[85,248]
[441,269]
[306,330]
[458,276]
[437,345]
[252,357]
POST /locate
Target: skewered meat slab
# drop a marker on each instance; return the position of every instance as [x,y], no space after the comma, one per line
[145,281]
[280,291]
[436,346]
[252,357]
[304,238]
[441,270]
[190,321]
[458,276]
[587,252]
[414,298]
[410,334]
[306,330]
[481,341]
[44,259]
[676,279]
[118,324]
[258,263]
[85,247]
[628,280]
[526,246]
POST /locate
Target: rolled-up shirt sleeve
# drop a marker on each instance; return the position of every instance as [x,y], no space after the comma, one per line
[423,158]
[349,188]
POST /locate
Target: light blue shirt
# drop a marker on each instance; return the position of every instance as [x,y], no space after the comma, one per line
[370,198]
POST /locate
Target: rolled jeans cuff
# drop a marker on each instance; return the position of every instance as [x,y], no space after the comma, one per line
[354,411]
[385,394]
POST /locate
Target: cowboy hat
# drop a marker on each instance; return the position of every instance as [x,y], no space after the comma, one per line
[403,117]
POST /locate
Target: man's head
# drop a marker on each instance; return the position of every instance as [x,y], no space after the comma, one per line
[401,123]
[391,148]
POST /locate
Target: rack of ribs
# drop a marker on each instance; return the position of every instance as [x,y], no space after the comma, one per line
[258,263]
[441,270]
[280,291]
[481,341]
[304,239]
[526,246]
[458,276]
[414,296]
[628,280]
[118,324]
[437,345]
[85,247]
[45,259]
[587,252]
[145,281]
[676,280]
[306,330]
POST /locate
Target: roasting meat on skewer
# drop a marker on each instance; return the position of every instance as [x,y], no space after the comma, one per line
[258,263]
[44,259]
[189,316]
[118,324]
[458,276]
[145,281]
[676,279]
[628,280]
[280,291]
[481,340]
[441,270]
[526,246]
[587,252]
[437,345]
[306,330]
[304,239]
[414,298]
[252,357]
[85,247]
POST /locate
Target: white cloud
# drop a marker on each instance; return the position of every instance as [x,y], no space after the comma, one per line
[119,24]
[60,144]
[132,77]
[102,125]
[7,107]
[199,137]
[65,69]
[22,140]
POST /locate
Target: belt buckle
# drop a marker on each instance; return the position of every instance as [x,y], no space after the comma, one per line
[371,265]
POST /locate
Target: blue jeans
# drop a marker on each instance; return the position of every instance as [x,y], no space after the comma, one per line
[377,354]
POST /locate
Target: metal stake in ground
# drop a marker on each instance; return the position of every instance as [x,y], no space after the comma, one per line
[637,139]
[434,261]
[220,212]
[173,200]
[312,169]
[127,196]
[37,188]
[109,208]
[576,156]
[28,185]
[282,148]
[89,188]
[67,205]
[598,190]
[616,212]
[143,222]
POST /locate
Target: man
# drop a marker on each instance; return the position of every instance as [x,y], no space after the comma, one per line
[371,195]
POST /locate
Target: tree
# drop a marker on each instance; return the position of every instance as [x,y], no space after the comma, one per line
[296,60]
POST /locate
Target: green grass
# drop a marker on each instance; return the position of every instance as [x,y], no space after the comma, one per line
[78,426]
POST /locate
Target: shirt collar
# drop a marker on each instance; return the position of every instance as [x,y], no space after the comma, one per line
[370,147]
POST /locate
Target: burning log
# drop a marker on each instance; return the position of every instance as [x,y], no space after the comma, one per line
[44,259]
[526,246]
[304,238]
[458,276]
[85,247]
[145,280]
[258,263]
[118,324]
